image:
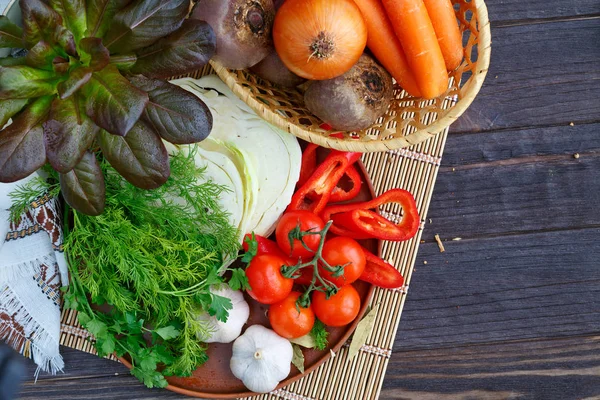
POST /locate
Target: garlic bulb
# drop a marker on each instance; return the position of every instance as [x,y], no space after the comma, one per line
[261,359]
[226,332]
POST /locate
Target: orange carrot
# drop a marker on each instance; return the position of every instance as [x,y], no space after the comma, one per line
[446,29]
[385,46]
[415,31]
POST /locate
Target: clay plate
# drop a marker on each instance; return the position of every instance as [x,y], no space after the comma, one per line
[215,380]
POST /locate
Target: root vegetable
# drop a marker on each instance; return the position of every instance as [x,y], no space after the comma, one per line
[272,69]
[243,29]
[413,27]
[385,46]
[353,101]
[319,39]
[446,29]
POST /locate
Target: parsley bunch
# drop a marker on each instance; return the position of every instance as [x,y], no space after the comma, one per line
[149,260]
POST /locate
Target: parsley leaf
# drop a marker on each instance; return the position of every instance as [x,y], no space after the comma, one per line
[219,307]
[252,248]
[239,280]
[167,332]
[319,334]
[107,345]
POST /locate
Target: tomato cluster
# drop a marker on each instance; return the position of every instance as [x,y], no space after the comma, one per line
[329,294]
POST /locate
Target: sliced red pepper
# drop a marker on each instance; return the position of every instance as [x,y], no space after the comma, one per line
[309,163]
[327,127]
[358,221]
[316,192]
[338,194]
[381,273]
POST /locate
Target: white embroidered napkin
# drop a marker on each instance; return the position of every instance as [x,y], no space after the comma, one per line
[32,270]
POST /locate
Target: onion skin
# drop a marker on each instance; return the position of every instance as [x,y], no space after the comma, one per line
[272,69]
[319,39]
[353,101]
[243,29]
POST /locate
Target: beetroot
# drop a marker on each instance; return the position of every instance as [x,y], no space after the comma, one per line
[354,100]
[272,69]
[243,29]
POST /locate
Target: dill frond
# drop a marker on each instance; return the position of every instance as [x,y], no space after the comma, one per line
[152,255]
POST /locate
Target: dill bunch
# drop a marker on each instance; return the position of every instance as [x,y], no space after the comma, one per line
[151,258]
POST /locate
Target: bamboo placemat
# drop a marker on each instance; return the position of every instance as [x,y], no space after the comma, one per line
[414,169]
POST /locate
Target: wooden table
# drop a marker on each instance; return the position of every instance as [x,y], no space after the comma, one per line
[512,307]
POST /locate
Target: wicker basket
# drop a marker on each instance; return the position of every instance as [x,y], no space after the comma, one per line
[407,122]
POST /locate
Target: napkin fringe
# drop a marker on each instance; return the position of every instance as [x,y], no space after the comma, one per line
[25,269]
[30,347]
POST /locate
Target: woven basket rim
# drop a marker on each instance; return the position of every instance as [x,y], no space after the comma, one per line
[468,93]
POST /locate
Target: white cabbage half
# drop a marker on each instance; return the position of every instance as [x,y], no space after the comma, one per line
[264,158]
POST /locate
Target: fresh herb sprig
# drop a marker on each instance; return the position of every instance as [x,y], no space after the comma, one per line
[92,77]
[319,335]
[151,258]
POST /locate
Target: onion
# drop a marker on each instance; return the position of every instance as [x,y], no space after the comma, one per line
[319,39]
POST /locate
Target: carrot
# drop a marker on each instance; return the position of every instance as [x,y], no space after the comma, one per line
[385,46]
[415,31]
[446,29]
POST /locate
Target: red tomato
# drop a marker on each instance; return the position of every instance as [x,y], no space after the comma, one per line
[340,309]
[307,221]
[343,251]
[264,276]
[288,321]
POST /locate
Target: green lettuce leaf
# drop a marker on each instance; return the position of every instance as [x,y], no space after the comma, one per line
[60,65]
[73,15]
[77,78]
[12,61]
[100,14]
[187,49]
[41,22]
[41,56]
[83,187]
[93,53]
[8,108]
[143,22]
[174,113]
[140,157]
[22,82]
[112,102]
[68,133]
[10,34]
[22,142]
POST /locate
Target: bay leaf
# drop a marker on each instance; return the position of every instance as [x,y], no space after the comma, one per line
[362,332]
[298,358]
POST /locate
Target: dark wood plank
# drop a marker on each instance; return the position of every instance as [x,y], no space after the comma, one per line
[519,146]
[515,11]
[505,288]
[89,377]
[540,75]
[561,369]
[517,181]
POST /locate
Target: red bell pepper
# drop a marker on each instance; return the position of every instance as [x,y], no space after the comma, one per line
[381,273]
[309,163]
[316,192]
[338,194]
[358,221]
